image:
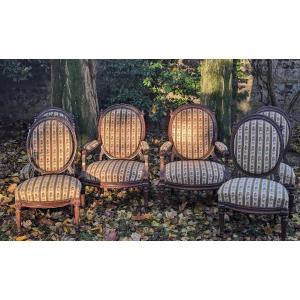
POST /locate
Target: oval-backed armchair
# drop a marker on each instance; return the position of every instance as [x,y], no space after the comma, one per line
[51,148]
[286,172]
[193,164]
[123,153]
[256,150]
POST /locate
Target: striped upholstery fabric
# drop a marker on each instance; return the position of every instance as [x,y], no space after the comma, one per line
[121,131]
[48,188]
[114,171]
[90,146]
[256,146]
[281,122]
[27,172]
[254,193]
[51,145]
[192,132]
[287,175]
[166,146]
[194,172]
[56,112]
[221,147]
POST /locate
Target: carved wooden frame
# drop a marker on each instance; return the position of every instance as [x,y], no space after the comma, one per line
[172,153]
[290,188]
[222,205]
[50,204]
[141,153]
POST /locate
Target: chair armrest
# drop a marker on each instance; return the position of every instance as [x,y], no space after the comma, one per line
[144,151]
[144,148]
[223,150]
[164,150]
[87,148]
[91,146]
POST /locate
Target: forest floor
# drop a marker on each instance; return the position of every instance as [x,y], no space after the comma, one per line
[117,215]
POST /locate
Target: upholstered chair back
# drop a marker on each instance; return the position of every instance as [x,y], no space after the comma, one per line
[257,145]
[56,112]
[51,145]
[192,130]
[121,130]
[280,118]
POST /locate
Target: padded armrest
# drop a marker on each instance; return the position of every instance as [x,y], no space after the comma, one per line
[91,146]
[221,148]
[144,147]
[165,148]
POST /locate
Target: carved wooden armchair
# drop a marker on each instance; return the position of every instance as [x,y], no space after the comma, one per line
[256,149]
[192,141]
[28,171]
[121,133]
[51,148]
[286,172]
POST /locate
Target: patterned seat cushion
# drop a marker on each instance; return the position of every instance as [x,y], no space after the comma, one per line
[114,171]
[254,193]
[194,172]
[48,188]
[287,174]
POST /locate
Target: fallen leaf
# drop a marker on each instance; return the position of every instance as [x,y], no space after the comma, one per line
[12,187]
[46,221]
[142,217]
[21,238]
[135,236]
[27,224]
[110,235]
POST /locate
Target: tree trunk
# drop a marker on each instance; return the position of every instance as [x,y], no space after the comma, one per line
[216,88]
[270,83]
[73,88]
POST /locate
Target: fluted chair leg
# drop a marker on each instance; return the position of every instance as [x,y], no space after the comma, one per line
[76,211]
[18,216]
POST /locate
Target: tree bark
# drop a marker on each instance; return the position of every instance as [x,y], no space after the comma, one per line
[73,88]
[216,88]
[270,83]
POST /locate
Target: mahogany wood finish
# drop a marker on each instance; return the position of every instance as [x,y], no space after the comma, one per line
[142,154]
[50,204]
[239,172]
[173,155]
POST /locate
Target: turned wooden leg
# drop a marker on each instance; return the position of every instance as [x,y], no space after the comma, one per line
[221,220]
[82,196]
[284,222]
[18,216]
[76,211]
[146,195]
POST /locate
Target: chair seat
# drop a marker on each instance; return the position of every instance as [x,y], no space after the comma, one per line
[114,171]
[48,188]
[254,193]
[194,172]
[287,175]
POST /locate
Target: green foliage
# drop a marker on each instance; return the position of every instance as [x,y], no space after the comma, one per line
[172,84]
[155,86]
[21,69]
